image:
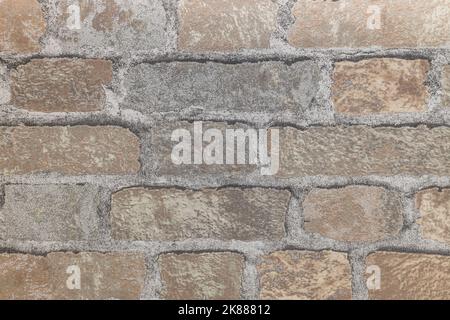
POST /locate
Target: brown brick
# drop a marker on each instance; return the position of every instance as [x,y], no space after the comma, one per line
[446,86]
[363,151]
[380,86]
[434,208]
[22,24]
[410,276]
[68,150]
[217,25]
[61,85]
[304,275]
[201,276]
[173,214]
[49,212]
[102,276]
[355,213]
[369,23]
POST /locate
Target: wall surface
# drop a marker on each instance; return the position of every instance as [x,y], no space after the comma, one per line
[93,205]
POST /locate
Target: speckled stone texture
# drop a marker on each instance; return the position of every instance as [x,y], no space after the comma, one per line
[446,86]
[5,93]
[175,215]
[303,275]
[380,86]
[411,276]
[354,213]
[201,276]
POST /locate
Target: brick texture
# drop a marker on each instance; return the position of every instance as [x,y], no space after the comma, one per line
[210,276]
[61,85]
[355,213]
[369,23]
[217,25]
[303,275]
[409,276]
[380,86]
[22,24]
[102,276]
[171,214]
[5,93]
[446,86]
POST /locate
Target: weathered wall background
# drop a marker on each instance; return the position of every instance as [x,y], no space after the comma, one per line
[360,91]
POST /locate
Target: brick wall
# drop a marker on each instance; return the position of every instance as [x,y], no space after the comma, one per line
[92,206]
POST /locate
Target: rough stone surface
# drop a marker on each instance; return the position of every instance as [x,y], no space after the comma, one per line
[410,276]
[49,213]
[5,93]
[22,24]
[369,23]
[103,276]
[68,150]
[362,151]
[201,276]
[380,85]
[446,86]
[222,88]
[61,85]
[173,214]
[304,275]
[434,208]
[110,25]
[217,25]
[354,213]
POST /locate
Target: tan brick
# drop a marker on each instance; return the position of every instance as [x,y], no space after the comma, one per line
[68,150]
[217,25]
[102,276]
[201,276]
[446,86]
[434,208]
[380,86]
[410,276]
[22,24]
[369,23]
[61,85]
[304,275]
[355,213]
[173,214]
[49,213]
[363,151]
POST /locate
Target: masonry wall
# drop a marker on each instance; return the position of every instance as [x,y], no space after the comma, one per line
[90,92]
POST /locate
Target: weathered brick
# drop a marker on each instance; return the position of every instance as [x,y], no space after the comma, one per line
[22,24]
[5,93]
[434,208]
[363,151]
[380,86]
[173,214]
[49,213]
[211,87]
[61,85]
[354,213]
[410,276]
[68,150]
[201,276]
[369,23]
[446,86]
[110,25]
[304,275]
[217,25]
[102,276]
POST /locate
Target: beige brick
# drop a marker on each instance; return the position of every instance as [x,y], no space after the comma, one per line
[410,276]
[217,25]
[434,208]
[380,86]
[22,24]
[68,150]
[355,213]
[370,23]
[363,151]
[173,214]
[446,86]
[49,213]
[61,85]
[304,275]
[201,276]
[102,276]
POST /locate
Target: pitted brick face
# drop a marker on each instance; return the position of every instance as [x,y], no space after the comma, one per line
[446,86]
